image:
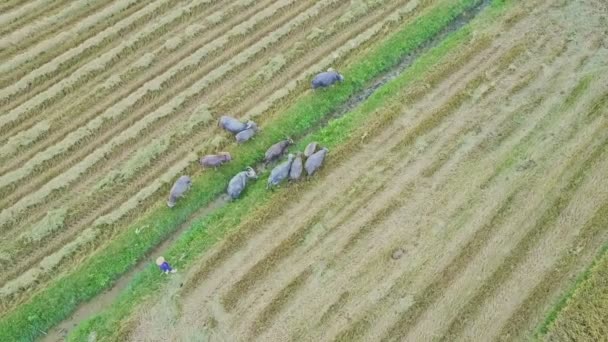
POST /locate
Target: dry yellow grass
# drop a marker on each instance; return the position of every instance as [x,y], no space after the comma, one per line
[13,15]
[50,223]
[145,60]
[24,139]
[96,65]
[25,32]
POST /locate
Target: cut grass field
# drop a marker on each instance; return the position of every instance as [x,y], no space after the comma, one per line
[480,172]
[300,118]
[483,160]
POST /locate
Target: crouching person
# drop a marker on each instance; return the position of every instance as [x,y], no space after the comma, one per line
[164,265]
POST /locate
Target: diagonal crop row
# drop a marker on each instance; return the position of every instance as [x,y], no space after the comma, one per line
[256,82]
[103,96]
[281,61]
[500,184]
[45,27]
[248,224]
[269,93]
[9,14]
[97,65]
[12,18]
[194,247]
[257,273]
[148,89]
[24,139]
[42,53]
[144,39]
[431,292]
[301,77]
[580,312]
[529,239]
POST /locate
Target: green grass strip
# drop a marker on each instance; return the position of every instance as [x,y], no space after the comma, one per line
[60,298]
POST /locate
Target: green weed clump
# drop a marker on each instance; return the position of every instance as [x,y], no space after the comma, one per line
[50,306]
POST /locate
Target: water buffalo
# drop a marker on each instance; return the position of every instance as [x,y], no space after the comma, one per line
[280,172]
[310,149]
[276,150]
[238,183]
[247,134]
[326,79]
[181,185]
[233,125]
[296,168]
[215,160]
[314,162]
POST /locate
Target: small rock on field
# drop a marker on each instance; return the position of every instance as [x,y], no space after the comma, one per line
[397,253]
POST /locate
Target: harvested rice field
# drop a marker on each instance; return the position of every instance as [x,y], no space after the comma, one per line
[463,197]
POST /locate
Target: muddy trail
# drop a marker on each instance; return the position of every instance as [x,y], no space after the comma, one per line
[485,184]
[102,301]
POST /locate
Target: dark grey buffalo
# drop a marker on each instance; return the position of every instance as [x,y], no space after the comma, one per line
[314,162]
[215,160]
[276,150]
[233,125]
[310,149]
[180,187]
[247,134]
[326,79]
[280,172]
[238,183]
[296,168]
